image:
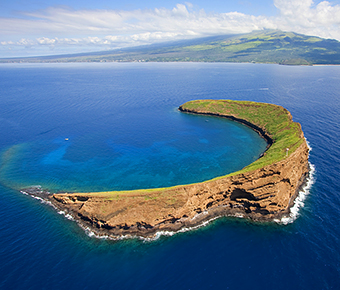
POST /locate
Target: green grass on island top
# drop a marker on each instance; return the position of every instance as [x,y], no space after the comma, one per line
[274,120]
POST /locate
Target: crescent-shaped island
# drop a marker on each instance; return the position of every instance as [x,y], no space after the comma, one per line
[265,190]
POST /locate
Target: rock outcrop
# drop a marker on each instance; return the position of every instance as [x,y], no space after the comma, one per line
[260,194]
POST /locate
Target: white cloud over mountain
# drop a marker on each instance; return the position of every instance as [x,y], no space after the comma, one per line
[299,15]
[105,29]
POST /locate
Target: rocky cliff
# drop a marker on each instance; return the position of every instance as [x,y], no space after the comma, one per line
[260,193]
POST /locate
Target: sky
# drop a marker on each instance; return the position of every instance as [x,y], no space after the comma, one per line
[50,27]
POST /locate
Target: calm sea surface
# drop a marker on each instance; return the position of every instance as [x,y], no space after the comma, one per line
[82,127]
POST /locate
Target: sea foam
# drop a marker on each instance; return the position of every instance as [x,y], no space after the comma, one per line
[299,200]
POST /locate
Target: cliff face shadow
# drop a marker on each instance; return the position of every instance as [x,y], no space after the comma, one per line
[241,193]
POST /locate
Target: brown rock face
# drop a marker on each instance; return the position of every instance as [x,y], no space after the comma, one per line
[261,195]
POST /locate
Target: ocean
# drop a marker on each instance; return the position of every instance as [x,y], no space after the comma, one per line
[115,126]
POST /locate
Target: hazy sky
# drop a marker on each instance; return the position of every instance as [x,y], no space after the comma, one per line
[36,27]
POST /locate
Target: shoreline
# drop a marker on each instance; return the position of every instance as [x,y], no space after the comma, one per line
[263,191]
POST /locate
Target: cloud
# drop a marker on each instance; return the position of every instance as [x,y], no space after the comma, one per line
[45,40]
[300,16]
[61,27]
[62,21]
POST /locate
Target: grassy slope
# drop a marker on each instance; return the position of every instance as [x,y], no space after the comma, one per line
[268,47]
[275,120]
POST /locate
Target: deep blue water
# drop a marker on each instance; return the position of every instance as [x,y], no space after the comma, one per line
[116,126]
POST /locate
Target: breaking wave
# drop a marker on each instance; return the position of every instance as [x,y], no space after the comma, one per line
[299,200]
[155,237]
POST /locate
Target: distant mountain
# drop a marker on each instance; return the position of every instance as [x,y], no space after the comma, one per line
[259,47]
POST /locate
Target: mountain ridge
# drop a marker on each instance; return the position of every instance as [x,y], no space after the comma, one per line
[269,46]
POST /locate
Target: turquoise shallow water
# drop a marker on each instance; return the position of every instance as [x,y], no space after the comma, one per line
[104,131]
[123,117]
[195,149]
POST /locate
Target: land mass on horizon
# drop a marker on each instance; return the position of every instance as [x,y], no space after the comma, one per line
[265,190]
[268,46]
